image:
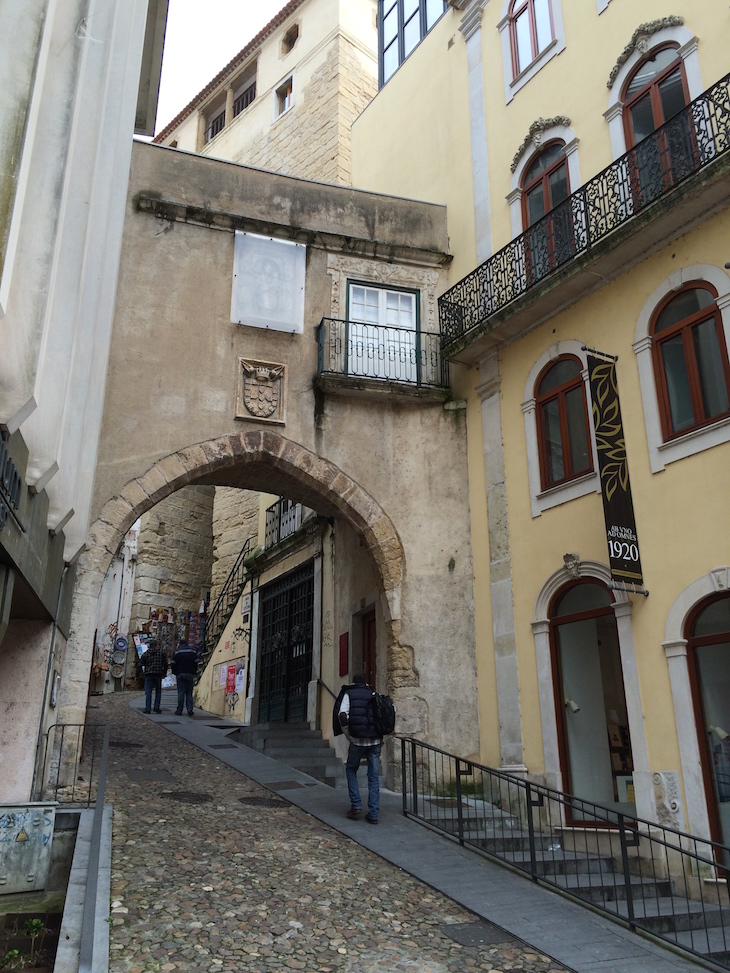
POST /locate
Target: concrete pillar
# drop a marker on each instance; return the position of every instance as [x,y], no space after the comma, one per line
[229,106]
[200,138]
[500,571]
[470,27]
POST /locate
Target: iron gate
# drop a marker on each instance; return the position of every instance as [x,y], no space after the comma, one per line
[287,615]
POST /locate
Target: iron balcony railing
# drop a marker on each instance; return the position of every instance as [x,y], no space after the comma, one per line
[215,622]
[388,354]
[216,125]
[689,141]
[656,878]
[244,99]
[282,519]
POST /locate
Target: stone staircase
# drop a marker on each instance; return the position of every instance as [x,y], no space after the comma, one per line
[295,745]
[591,876]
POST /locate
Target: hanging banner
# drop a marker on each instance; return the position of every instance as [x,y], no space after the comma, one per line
[618,507]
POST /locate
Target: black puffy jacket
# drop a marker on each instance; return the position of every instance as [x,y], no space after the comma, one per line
[360,722]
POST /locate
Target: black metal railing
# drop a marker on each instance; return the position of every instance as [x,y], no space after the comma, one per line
[219,614]
[282,519]
[689,141]
[244,99]
[217,125]
[70,762]
[656,878]
[380,352]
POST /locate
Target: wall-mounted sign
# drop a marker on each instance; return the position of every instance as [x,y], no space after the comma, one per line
[11,483]
[618,506]
[268,283]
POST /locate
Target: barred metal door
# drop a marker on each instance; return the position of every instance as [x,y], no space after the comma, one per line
[287,615]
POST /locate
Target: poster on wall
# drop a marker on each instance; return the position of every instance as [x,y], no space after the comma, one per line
[268,283]
[224,676]
[231,679]
[240,676]
[618,506]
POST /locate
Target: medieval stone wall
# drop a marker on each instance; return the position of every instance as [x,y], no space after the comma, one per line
[235,518]
[174,554]
[313,138]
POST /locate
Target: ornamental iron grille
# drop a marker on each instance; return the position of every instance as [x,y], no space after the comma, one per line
[402,355]
[689,141]
[287,622]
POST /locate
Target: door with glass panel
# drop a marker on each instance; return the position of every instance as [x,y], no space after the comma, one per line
[382,338]
[593,726]
[655,96]
[547,212]
[709,658]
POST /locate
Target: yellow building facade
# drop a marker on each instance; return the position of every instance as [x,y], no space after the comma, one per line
[580,149]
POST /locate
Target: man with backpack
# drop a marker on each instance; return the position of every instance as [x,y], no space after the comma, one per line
[356,715]
[184,667]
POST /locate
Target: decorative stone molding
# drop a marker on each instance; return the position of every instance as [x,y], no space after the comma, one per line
[572,565]
[534,135]
[261,392]
[423,279]
[668,799]
[640,42]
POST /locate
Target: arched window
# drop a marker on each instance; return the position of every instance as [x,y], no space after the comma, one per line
[690,360]
[531,31]
[655,91]
[562,418]
[592,714]
[545,183]
[708,647]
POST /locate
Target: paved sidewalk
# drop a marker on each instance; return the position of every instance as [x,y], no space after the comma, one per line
[275,877]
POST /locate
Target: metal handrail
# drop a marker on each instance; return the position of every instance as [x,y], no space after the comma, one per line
[657,878]
[325,686]
[68,763]
[403,356]
[216,620]
[649,171]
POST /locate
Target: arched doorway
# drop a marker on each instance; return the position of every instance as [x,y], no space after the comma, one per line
[590,700]
[708,649]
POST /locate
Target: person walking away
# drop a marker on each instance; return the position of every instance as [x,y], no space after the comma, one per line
[154,663]
[356,719]
[184,666]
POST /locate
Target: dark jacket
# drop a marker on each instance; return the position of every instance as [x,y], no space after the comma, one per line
[154,662]
[360,723]
[184,660]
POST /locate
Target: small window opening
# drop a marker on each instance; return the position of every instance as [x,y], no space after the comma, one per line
[290,39]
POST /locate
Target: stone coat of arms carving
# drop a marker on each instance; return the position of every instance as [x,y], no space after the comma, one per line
[261,391]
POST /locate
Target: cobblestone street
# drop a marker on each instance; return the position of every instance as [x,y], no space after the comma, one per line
[213,872]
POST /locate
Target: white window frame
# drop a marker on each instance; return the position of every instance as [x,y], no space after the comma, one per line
[278,111]
[687,51]
[542,500]
[662,453]
[378,340]
[513,84]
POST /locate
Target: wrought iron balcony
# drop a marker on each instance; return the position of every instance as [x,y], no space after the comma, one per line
[282,519]
[691,140]
[374,353]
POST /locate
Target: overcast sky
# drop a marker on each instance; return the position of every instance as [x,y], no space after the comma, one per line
[201,39]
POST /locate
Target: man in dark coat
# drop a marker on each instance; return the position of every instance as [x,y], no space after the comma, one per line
[356,719]
[154,663]
[184,666]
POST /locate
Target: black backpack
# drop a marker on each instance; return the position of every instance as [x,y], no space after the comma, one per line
[383,714]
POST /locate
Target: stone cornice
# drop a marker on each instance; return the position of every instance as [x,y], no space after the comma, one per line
[639,42]
[539,126]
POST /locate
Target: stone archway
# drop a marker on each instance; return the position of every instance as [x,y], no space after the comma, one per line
[226,460]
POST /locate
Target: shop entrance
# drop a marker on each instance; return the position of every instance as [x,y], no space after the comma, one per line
[287,618]
[709,656]
[595,747]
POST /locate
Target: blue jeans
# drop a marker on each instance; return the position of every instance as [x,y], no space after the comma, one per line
[354,756]
[185,682]
[150,683]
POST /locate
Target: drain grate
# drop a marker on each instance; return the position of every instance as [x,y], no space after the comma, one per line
[124,745]
[188,797]
[477,933]
[223,746]
[253,801]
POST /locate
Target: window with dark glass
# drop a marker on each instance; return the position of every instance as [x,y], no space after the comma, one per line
[655,92]
[531,31]
[401,25]
[690,361]
[545,186]
[217,124]
[562,418]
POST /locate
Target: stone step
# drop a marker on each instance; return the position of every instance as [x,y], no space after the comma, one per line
[601,889]
[685,917]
